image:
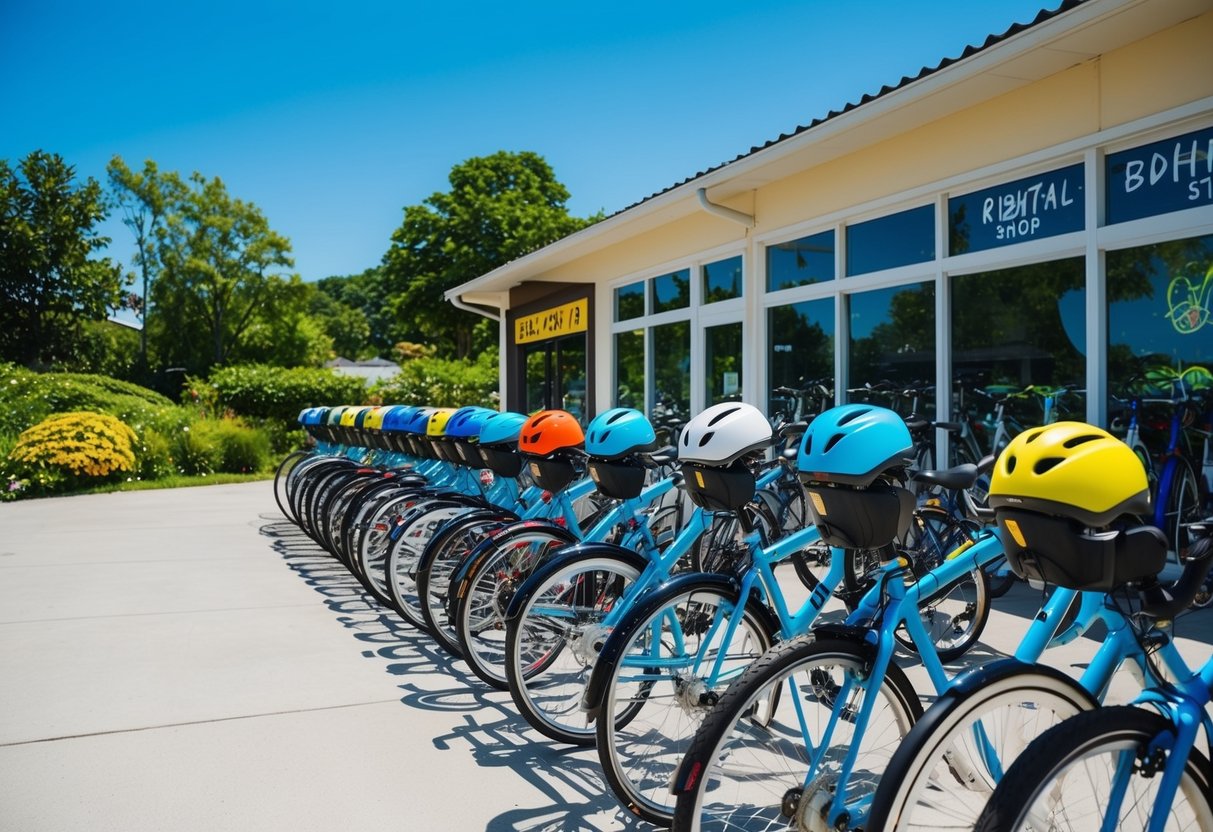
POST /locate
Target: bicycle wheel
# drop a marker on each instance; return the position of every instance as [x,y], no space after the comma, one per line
[552,642]
[404,555]
[495,570]
[1068,779]
[675,657]
[943,774]
[282,478]
[793,710]
[1178,502]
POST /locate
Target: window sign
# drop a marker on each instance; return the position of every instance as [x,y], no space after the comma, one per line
[552,323]
[887,242]
[1026,209]
[1160,177]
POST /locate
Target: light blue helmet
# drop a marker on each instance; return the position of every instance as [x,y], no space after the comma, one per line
[619,432]
[466,422]
[854,444]
[502,428]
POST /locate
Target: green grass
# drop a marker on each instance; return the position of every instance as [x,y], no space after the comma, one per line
[180,481]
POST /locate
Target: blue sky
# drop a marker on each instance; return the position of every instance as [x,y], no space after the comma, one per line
[333,117]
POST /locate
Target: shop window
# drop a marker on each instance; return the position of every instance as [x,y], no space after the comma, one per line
[1026,209]
[1160,177]
[722,280]
[896,240]
[800,262]
[1013,329]
[672,370]
[671,291]
[892,339]
[800,346]
[629,369]
[1160,315]
[629,301]
[722,363]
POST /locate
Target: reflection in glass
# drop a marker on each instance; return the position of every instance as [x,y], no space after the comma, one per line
[722,280]
[629,369]
[800,345]
[722,361]
[571,366]
[893,339]
[887,242]
[672,369]
[535,356]
[629,301]
[800,262]
[671,291]
[1013,328]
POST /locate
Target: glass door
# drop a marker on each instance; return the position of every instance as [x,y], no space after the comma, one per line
[556,375]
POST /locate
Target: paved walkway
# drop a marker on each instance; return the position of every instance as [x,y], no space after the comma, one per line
[180,660]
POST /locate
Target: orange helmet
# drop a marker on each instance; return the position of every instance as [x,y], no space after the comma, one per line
[549,431]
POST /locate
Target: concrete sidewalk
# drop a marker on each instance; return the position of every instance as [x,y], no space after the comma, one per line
[186,659]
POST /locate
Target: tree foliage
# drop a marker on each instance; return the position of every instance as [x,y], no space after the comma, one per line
[50,279]
[498,208]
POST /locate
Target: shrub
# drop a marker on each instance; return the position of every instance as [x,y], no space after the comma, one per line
[194,452]
[241,449]
[69,450]
[277,393]
[154,456]
[439,382]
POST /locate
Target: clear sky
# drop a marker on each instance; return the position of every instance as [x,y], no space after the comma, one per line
[331,117]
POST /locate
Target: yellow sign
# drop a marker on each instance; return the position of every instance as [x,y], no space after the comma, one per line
[554,322]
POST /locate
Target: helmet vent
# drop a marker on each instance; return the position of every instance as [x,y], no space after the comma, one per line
[1034,435]
[602,437]
[540,419]
[832,442]
[616,417]
[1047,464]
[707,437]
[850,417]
[1010,464]
[720,416]
[1079,440]
[808,444]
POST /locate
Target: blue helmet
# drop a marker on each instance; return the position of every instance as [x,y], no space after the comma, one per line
[417,421]
[394,418]
[501,428]
[619,432]
[854,444]
[311,415]
[465,423]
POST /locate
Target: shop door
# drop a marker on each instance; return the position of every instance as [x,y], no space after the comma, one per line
[556,375]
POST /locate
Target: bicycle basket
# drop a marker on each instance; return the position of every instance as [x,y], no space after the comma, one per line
[719,488]
[860,518]
[622,479]
[1061,551]
[552,472]
[468,454]
[503,460]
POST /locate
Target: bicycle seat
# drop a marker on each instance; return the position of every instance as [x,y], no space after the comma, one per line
[953,479]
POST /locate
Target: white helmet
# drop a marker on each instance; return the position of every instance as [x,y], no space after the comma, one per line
[724,433]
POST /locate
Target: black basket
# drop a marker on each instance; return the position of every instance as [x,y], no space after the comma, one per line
[421,446]
[1060,551]
[468,455]
[622,479]
[553,472]
[719,488]
[503,460]
[445,449]
[860,518]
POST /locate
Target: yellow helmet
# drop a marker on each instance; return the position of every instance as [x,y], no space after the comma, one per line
[374,418]
[1070,469]
[349,415]
[436,426]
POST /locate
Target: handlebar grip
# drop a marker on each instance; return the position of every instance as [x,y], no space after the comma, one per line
[1166,602]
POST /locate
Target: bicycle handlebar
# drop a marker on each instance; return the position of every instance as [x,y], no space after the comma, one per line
[1165,602]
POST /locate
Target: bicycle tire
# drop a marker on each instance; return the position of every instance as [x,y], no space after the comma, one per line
[402,565]
[751,744]
[1081,742]
[282,475]
[1178,502]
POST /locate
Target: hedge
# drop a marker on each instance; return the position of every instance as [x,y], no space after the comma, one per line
[278,394]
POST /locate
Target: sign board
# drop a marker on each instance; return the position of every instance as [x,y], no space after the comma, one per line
[553,323]
[1026,209]
[1160,177]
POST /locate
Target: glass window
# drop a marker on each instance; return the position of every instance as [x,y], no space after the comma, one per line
[672,370]
[722,280]
[1026,209]
[629,301]
[671,291]
[722,362]
[1160,314]
[896,240]
[800,262]
[1012,329]
[800,346]
[893,339]
[1159,177]
[629,369]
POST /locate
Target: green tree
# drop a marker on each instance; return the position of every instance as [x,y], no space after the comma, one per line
[50,280]
[346,323]
[145,198]
[220,268]
[498,208]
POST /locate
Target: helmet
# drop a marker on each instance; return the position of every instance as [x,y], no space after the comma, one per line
[465,423]
[349,416]
[500,428]
[1070,469]
[416,421]
[373,418]
[335,413]
[854,444]
[1056,490]
[549,431]
[724,433]
[436,425]
[395,416]
[619,432]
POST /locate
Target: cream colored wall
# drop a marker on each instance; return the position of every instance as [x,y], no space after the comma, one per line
[1171,68]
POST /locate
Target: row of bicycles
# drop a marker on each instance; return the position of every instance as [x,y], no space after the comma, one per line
[726,620]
